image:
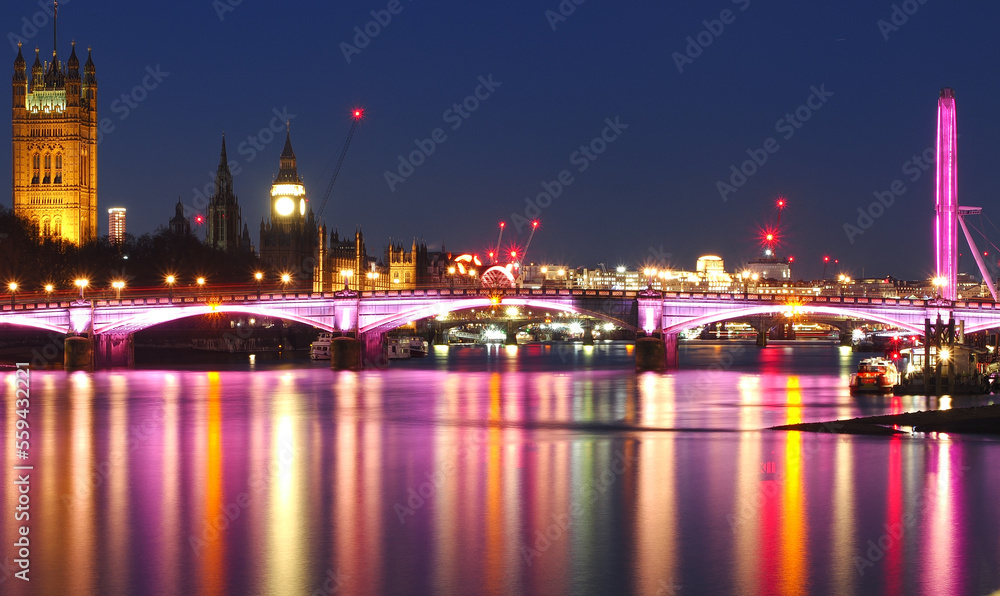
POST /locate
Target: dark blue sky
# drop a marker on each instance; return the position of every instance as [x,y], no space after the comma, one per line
[651,193]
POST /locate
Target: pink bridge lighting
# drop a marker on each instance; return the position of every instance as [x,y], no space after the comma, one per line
[946,213]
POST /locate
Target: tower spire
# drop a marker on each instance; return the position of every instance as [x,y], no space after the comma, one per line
[55,27]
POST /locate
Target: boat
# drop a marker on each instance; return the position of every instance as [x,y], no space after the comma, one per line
[320,349]
[418,346]
[875,375]
[399,348]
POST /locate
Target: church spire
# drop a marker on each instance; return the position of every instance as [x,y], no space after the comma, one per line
[223,176]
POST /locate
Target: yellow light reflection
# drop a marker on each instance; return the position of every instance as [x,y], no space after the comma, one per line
[794,525]
[213,569]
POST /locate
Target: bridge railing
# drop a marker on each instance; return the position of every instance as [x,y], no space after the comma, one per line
[209,297]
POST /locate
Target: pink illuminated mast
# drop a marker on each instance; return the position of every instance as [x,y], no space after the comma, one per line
[946,200]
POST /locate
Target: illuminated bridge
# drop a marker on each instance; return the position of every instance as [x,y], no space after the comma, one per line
[368,316]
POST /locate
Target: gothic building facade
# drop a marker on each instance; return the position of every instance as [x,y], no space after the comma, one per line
[288,239]
[55,146]
[224,218]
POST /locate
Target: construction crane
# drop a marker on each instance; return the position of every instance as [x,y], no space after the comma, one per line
[357,114]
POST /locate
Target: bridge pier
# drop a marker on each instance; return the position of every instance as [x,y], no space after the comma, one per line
[655,353]
[762,337]
[511,339]
[346,353]
[114,350]
[78,353]
[588,334]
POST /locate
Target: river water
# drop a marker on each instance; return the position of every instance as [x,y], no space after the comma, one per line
[493,470]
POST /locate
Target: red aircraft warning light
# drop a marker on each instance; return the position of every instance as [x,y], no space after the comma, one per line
[534,224]
[199,219]
[358,113]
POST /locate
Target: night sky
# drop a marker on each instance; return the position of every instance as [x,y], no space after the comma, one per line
[554,83]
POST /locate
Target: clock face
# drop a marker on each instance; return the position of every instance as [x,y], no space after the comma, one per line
[302,206]
[284,206]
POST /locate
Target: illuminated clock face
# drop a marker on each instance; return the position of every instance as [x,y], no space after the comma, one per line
[302,206]
[284,206]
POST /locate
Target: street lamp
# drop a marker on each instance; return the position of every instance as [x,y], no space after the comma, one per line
[171,280]
[285,280]
[81,283]
[746,277]
[12,286]
[650,273]
[48,293]
[451,277]
[118,285]
[347,274]
[201,284]
[258,277]
[472,275]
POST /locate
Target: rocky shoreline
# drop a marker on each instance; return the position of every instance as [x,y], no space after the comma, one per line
[978,419]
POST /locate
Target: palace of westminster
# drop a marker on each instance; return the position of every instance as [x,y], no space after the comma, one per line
[54,183]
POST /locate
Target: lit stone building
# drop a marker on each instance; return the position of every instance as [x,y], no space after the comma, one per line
[288,239]
[55,147]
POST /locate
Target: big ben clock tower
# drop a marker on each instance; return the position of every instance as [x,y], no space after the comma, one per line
[288,240]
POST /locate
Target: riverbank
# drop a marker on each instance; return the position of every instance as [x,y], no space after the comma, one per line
[978,419]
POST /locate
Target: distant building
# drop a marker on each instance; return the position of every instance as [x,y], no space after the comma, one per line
[55,147]
[179,224]
[288,239]
[224,218]
[116,225]
[770,268]
[340,262]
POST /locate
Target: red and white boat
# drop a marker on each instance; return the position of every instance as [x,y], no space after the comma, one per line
[875,375]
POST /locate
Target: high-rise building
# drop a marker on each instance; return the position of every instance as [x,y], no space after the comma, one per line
[224,211]
[288,239]
[55,146]
[116,225]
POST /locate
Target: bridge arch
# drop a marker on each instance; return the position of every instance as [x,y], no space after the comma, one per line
[803,309]
[34,323]
[391,321]
[158,316]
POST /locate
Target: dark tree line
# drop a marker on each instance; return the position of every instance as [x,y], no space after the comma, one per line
[140,262]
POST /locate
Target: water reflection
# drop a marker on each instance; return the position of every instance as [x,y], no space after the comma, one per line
[422,481]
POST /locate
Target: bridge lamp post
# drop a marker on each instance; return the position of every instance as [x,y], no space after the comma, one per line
[48,293]
[81,283]
[258,277]
[12,286]
[650,273]
[451,277]
[171,280]
[746,278]
[285,280]
[118,285]
[201,284]
[472,276]
[939,283]
[347,274]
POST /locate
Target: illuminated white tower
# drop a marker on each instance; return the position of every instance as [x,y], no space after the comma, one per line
[946,219]
[116,225]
